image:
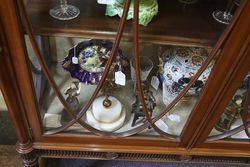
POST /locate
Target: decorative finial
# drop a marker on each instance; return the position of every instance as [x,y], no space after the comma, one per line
[106,102]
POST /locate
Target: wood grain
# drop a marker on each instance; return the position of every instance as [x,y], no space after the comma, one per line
[231,66]
[192,26]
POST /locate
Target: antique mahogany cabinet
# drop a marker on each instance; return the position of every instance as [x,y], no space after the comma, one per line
[210,124]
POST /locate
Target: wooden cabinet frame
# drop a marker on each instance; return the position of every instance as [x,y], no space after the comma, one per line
[19,93]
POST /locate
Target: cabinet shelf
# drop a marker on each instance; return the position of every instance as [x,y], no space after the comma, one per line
[174,24]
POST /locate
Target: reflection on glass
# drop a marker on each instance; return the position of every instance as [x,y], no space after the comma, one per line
[174,121]
[64,11]
[145,67]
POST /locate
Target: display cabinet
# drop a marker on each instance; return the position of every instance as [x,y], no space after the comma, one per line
[168,82]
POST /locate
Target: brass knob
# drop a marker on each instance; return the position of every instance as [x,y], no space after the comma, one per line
[106,102]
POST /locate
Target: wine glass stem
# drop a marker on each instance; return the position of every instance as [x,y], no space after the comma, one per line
[64,2]
[64,5]
[229,7]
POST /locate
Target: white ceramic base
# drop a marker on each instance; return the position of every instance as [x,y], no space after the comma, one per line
[107,127]
[106,114]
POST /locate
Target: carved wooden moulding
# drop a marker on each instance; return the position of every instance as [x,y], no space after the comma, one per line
[140,157]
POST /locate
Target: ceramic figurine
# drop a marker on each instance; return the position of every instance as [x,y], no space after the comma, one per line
[72,92]
[137,106]
[148,9]
[235,108]
[231,114]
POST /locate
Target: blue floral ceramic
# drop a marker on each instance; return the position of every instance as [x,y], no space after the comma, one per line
[92,57]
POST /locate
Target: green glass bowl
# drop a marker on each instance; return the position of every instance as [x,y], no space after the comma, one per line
[147,10]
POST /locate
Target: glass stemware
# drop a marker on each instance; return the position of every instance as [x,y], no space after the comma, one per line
[64,11]
[146,67]
[237,2]
[226,15]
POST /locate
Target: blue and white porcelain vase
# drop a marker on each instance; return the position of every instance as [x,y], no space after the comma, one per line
[179,65]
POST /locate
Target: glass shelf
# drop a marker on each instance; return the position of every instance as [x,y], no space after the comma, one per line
[176,23]
[177,41]
[51,108]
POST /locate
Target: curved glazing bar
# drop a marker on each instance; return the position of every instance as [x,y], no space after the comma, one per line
[234,122]
[100,84]
[205,64]
[226,134]
[114,49]
[245,115]
[52,82]
[211,56]
[138,73]
[34,68]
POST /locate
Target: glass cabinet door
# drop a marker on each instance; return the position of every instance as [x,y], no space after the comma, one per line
[85,62]
[234,122]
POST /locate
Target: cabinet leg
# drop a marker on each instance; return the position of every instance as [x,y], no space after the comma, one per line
[30,160]
[28,154]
